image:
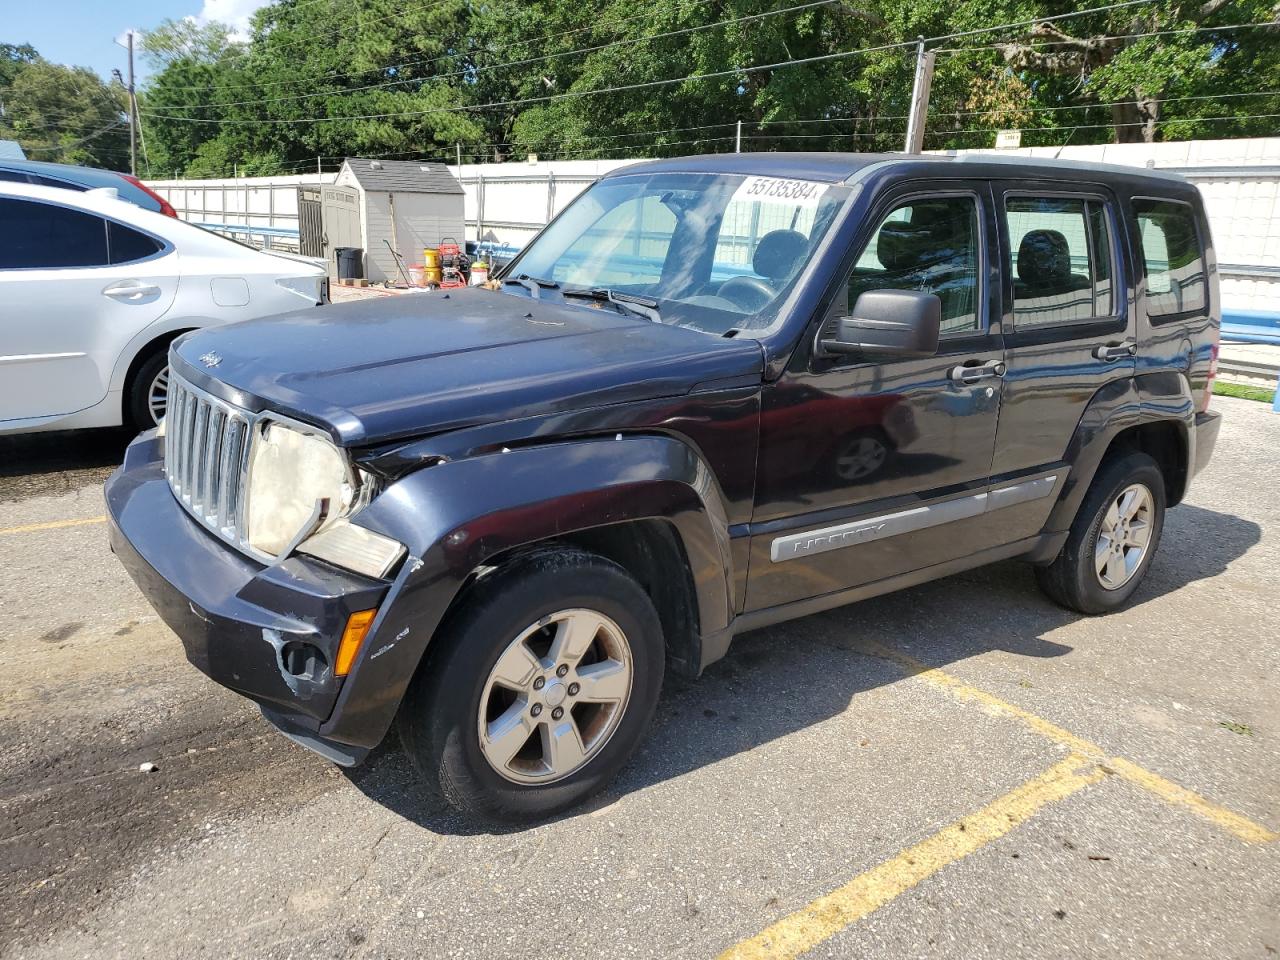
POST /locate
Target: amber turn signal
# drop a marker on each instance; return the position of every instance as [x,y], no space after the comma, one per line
[358,625]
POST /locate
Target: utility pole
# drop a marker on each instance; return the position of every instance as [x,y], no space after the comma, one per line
[133,115]
[919,97]
[737,141]
[458,146]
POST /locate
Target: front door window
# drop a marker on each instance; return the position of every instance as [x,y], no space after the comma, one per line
[929,245]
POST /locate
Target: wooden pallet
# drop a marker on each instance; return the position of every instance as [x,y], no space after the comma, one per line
[347,282]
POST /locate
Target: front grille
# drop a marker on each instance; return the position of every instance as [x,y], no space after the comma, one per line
[206,459]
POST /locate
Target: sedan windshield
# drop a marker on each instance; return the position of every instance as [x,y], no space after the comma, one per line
[714,252]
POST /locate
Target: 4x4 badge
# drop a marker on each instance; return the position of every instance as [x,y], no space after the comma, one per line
[210,359]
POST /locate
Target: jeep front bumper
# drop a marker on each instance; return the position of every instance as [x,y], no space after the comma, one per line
[268,632]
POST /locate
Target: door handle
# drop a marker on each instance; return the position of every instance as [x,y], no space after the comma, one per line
[974,370]
[1115,350]
[130,291]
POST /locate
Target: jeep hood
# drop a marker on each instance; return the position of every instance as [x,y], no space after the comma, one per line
[404,366]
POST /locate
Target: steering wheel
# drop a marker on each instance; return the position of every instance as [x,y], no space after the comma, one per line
[749,293]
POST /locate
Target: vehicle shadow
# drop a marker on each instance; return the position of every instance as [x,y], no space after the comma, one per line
[43,464]
[794,675]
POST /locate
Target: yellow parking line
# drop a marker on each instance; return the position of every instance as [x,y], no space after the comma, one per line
[809,926]
[55,525]
[1242,827]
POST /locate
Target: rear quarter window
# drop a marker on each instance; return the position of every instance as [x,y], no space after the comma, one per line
[1173,258]
[128,245]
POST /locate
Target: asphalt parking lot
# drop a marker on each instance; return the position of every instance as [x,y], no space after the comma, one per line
[960,770]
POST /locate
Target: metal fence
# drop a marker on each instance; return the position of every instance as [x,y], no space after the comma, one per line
[261,210]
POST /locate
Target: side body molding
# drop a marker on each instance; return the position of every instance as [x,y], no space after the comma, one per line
[456,516]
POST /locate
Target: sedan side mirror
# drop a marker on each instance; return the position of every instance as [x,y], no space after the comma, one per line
[889,323]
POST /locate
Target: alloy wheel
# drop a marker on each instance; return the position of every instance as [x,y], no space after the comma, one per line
[158,395]
[1124,536]
[555,696]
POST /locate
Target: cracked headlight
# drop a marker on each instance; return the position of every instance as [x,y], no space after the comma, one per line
[354,547]
[299,483]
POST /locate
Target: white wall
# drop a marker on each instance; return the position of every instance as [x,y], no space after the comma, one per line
[1240,183]
[509,202]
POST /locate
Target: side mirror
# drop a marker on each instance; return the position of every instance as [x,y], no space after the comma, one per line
[889,323]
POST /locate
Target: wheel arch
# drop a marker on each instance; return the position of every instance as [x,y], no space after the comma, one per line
[142,350]
[1150,413]
[650,550]
[647,502]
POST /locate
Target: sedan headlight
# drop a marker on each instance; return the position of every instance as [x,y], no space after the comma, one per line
[298,483]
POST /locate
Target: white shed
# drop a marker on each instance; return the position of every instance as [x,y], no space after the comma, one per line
[408,204]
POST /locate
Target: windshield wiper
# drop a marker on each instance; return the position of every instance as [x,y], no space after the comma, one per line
[629,302]
[533,284]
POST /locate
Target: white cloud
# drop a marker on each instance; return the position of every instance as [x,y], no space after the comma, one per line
[234,13]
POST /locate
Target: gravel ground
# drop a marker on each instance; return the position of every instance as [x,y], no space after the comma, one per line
[801,767]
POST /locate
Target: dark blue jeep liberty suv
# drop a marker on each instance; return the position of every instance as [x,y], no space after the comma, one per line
[714,393]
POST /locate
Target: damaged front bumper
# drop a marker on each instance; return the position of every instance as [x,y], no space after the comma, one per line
[270,633]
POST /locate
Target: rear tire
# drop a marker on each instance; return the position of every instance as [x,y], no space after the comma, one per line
[149,385]
[491,743]
[1113,538]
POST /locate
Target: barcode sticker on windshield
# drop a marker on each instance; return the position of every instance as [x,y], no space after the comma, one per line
[773,190]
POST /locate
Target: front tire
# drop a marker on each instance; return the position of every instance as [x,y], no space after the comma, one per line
[541,687]
[1114,536]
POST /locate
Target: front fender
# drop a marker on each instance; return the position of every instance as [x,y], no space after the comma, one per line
[456,516]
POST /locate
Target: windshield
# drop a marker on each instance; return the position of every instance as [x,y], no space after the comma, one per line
[714,252]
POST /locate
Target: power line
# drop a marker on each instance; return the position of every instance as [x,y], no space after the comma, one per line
[412,63]
[1120,36]
[653,84]
[63,147]
[629,41]
[1107,126]
[979,113]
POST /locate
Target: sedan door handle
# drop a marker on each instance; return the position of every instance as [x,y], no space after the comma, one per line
[1115,350]
[973,371]
[130,291]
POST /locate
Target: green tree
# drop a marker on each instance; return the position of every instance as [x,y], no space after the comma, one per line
[633,78]
[65,114]
[13,57]
[1137,59]
[185,40]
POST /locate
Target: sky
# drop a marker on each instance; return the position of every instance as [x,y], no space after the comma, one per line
[83,32]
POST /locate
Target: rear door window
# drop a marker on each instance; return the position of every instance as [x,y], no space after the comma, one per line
[1060,248]
[46,235]
[1172,257]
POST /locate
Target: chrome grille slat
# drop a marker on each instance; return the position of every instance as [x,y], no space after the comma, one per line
[196,473]
[206,459]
